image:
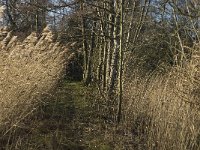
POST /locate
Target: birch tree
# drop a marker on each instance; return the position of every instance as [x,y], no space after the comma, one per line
[121,58]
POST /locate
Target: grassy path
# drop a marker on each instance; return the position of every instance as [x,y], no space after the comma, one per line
[68,121]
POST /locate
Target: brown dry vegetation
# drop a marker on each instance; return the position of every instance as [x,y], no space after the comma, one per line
[161,111]
[29,71]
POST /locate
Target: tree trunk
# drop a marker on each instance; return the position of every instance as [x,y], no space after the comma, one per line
[113,67]
[110,42]
[84,43]
[120,76]
[88,77]
[105,55]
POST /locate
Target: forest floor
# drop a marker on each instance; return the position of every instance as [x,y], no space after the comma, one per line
[70,121]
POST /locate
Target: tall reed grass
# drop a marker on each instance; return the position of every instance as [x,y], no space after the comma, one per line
[29,71]
[163,111]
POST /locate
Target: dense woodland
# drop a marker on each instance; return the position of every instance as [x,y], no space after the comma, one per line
[137,60]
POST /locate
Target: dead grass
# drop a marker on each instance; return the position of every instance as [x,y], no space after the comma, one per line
[163,111]
[29,71]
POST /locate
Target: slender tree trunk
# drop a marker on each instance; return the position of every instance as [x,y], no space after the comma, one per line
[105,55]
[100,47]
[113,67]
[110,42]
[143,14]
[88,77]
[84,43]
[104,46]
[37,23]
[130,26]
[120,76]
[99,68]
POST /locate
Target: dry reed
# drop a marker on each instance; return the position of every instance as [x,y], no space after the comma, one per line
[163,111]
[29,70]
